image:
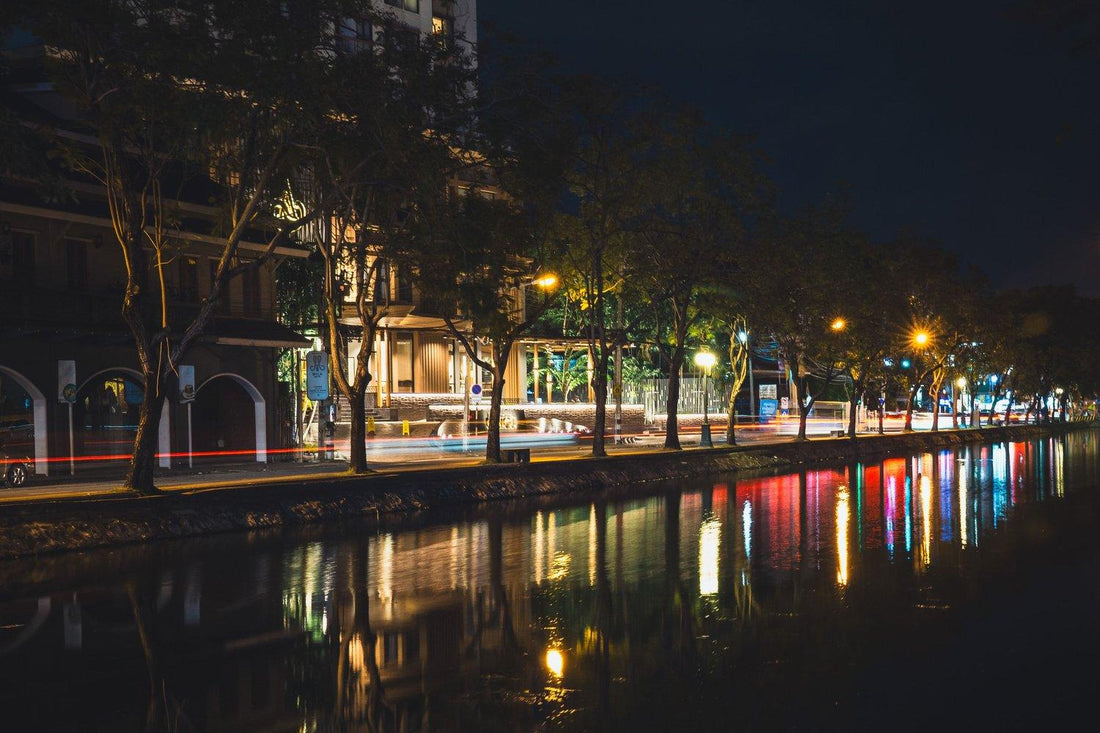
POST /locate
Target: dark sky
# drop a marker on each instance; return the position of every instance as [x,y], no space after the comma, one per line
[961,120]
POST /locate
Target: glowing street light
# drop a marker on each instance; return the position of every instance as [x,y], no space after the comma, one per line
[546,281]
[838,324]
[555,662]
[961,382]
[921,338]
[705,360]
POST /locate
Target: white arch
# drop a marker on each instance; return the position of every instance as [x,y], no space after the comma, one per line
[260,410]
[38,405]
[164,434]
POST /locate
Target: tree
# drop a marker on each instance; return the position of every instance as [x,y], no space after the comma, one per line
[795,296]
[407,106]
[172,95]
[479,270]
[601,258]
[702,195]
[940,310]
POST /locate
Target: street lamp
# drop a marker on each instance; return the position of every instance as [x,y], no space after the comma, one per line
[921,338]
[705,360]
[838,324]
[961,384]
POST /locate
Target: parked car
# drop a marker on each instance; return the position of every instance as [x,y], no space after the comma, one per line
[17,469]
[16,445]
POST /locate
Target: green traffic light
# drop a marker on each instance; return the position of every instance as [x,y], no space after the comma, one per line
[904,363]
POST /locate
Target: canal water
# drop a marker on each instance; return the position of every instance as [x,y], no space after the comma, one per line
[953,590]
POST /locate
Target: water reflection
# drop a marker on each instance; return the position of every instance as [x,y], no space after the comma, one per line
[572,617]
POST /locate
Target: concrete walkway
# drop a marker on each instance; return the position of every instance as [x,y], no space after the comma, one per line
[105,481]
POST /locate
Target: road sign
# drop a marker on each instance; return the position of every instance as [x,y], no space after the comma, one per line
[317,375]
[187,382]
[767,410]
[66,381]
[767,391]
[784,403]
[475,393]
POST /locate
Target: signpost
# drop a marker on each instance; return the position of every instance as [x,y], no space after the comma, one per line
[187,396]
[66,395]
[317,375]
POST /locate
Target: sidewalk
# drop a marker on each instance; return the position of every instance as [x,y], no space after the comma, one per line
[105,481]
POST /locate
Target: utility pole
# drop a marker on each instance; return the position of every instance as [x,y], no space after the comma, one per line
[618,386]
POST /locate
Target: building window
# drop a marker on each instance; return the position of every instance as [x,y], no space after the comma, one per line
[443,28]
[400,38]
[17,256]
[413,6]
[250,282]
[403,363]
[354,36]
[404,285]
[76,263]
[381,290]
[189,279]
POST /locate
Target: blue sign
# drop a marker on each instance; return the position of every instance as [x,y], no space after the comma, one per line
[767,410]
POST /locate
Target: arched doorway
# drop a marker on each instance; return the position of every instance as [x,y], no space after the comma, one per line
[23,417]
[105,418]
[229,419]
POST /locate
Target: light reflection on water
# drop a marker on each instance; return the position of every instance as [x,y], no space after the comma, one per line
[730,593]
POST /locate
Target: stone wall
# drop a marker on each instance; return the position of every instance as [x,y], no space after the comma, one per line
[41,527]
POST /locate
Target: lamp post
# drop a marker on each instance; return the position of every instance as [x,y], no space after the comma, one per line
[705,360]
[743,337]
[961,384]
[545,282]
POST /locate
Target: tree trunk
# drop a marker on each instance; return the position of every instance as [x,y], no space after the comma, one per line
[599,384]
[731,419]
[853,405]
[357,441]
[803,416]
[492,434]
[909,408]
[672,427]
[142,463]
[936,407]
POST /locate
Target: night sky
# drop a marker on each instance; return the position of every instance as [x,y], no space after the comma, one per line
[963,121]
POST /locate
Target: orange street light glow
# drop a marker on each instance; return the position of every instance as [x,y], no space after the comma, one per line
[838,324]
[921,338]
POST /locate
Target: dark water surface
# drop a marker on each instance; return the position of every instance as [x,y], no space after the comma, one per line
[957,590]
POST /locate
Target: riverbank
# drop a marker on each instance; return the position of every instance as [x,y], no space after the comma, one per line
[41,527]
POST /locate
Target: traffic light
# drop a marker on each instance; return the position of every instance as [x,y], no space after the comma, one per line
[904,363]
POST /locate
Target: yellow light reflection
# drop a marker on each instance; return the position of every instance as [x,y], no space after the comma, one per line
[1059,470]
[555,662]
[710,535]
[539,544]
[843,521]
[592,545]
[559,566]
